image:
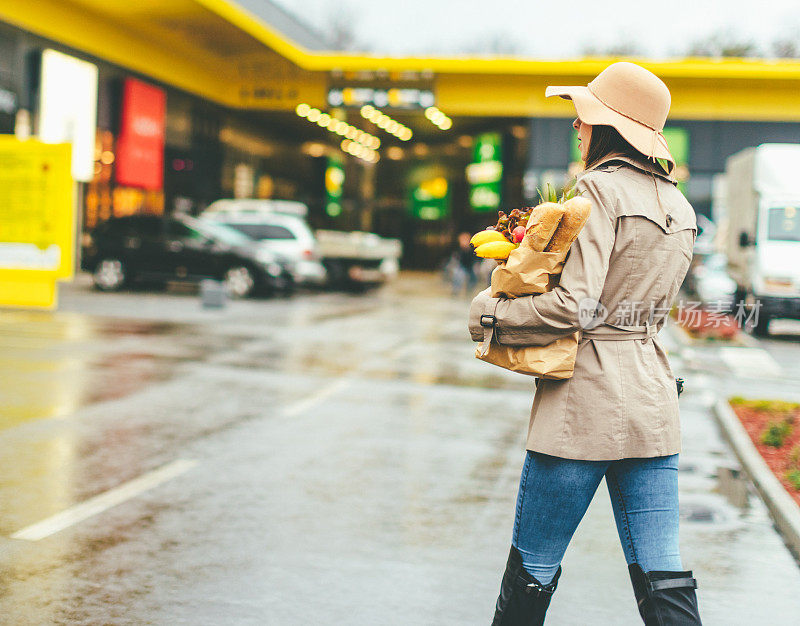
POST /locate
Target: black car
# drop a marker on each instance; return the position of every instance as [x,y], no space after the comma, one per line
[160,249]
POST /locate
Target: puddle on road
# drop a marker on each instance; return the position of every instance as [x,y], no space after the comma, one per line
[720,476]
[710,511]
[335,358]
[362,309]
[713,495]
[54,363]
[43,393]
[734,485]
[68,326]
[699,512]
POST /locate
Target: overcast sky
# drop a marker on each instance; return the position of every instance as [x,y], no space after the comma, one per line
[552,29]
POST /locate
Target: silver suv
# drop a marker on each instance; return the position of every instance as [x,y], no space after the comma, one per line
[279,224]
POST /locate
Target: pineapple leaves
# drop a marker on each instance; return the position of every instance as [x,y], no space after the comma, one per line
[550,193]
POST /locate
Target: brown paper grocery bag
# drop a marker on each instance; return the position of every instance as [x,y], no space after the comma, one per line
[528,272]
[554,361]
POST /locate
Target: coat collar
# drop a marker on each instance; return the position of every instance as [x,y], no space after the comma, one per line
[643,165]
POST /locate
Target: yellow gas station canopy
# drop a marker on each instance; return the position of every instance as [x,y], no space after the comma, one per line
[220,50]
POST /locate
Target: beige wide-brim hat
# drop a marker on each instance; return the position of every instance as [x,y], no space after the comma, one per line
[631,99]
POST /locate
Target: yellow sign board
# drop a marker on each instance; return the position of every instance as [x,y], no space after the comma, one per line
[37,221]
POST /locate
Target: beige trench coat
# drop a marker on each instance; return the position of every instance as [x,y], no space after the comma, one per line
[631,257]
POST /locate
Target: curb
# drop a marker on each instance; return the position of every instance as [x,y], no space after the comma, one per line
[784,510]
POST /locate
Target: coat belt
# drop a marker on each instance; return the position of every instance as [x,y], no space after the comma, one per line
[603,332]
[614,332]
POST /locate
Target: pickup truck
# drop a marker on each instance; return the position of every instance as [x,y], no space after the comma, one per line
[358,259]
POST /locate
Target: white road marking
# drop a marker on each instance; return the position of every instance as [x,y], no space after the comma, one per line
[313,400]
[347,379]
[104,501]
[388,349]
[750,362]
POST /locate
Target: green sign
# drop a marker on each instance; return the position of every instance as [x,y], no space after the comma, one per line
[677,140]
[485,173]
[334,186]
[430,199]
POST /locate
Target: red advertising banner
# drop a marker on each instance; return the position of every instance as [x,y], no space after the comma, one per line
[140,148]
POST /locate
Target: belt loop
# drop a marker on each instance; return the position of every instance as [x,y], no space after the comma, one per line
[650,329]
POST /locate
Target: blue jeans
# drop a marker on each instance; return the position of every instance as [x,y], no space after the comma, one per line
[554,494]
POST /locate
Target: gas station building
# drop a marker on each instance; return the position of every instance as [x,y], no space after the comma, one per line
[202,99]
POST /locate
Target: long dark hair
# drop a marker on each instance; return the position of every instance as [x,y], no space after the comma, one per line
[605,140]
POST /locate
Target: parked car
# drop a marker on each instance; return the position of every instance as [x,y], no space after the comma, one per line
[279,224]
[181,248]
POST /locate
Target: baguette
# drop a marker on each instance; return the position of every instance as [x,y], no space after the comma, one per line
[576,213]
[542,225]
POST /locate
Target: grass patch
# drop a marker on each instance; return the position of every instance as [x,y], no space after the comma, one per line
[776,407]
[776,433]
[793,476]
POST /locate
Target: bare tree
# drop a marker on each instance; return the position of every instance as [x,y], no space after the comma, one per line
[786,48]
[622,48]
[787,45]
[341,27]
[723,43]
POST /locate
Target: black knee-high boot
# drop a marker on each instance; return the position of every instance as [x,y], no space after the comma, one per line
[665,598]
[523,600]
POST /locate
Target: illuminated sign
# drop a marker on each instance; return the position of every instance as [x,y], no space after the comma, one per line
[392,98]
[485,173]
[140,149]
[68,108]
[334,186]
[430,199]
[36,221]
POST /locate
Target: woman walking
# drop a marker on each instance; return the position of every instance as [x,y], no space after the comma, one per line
[617,416]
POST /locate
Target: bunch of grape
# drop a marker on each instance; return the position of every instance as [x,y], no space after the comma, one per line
[506,224]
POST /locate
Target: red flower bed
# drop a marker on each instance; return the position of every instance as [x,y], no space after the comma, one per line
[704,324]
[777,423]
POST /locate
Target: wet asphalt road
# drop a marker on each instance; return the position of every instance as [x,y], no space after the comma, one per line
[341,460]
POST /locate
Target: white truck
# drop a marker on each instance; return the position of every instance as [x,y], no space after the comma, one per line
[763,231]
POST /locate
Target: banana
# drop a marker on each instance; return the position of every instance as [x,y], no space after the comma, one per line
[485,236]
[495,249]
